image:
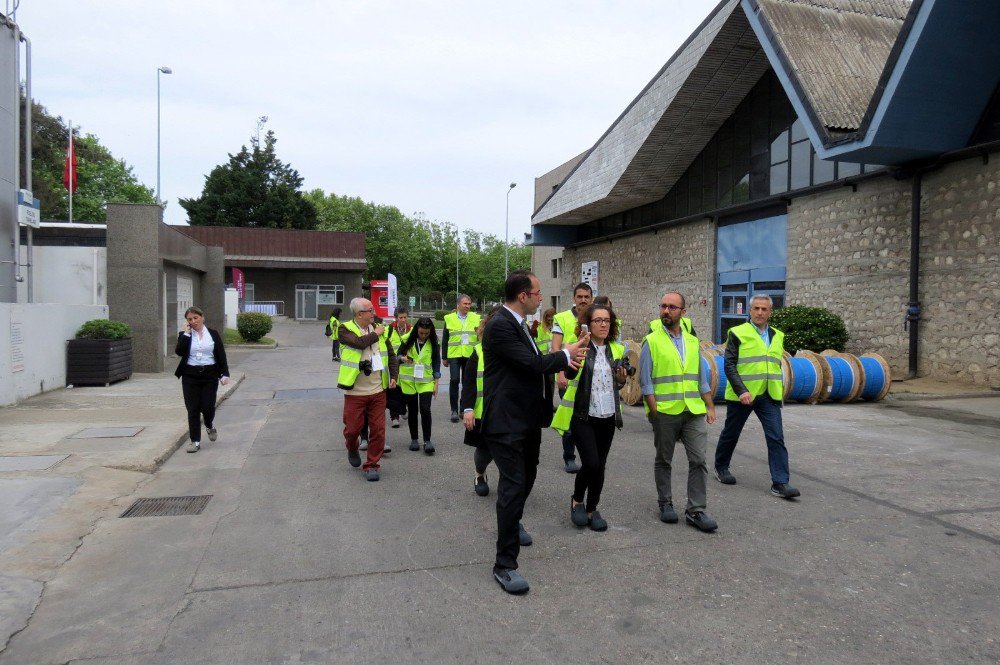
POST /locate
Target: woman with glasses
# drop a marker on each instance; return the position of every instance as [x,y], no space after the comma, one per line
[591,407]
[419,371]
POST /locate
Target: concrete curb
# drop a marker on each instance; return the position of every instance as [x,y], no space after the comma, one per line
[252,346]
[175,443]
[905,397]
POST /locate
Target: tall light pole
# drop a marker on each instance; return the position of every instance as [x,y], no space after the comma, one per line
[159,70]
[506,232]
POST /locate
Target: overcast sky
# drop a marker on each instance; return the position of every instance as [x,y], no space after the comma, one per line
[434,107]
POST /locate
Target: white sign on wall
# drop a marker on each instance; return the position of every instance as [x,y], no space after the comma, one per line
[589,273]
[16,340]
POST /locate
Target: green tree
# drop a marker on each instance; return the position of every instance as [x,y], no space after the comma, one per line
[254,189]
[101,178]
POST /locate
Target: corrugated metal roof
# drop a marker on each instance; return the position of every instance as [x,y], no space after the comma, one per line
[332,246]
[837,50]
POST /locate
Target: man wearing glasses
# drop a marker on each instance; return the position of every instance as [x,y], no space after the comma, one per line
[368,367]
[678,401]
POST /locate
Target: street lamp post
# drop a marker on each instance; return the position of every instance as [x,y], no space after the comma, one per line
[159,70]
[506,232]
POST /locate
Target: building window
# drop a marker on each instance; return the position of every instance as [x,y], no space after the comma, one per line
[555,268]
[330,294]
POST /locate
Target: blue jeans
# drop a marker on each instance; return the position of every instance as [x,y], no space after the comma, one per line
[769,414]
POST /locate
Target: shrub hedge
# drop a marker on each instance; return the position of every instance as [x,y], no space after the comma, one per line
[253,325]
[812,328]
[104,329]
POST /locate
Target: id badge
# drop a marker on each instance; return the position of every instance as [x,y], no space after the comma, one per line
[377,365]
[465,338]
[197,355]
[418,371]
[607,403]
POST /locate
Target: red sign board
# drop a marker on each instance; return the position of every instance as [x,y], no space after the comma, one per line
[239,281]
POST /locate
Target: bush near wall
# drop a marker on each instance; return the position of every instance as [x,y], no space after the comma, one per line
[253,325]
[812,328]
[103,329]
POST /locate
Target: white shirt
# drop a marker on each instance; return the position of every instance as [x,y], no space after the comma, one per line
[520,323]
[602,386]
[202,348]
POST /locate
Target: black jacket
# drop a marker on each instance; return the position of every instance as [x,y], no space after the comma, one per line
[581,402]
[516,398]
[184,350]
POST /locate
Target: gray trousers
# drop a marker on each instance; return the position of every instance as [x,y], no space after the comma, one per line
[692,431]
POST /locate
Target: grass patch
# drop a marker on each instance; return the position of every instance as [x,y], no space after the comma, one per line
[232,336]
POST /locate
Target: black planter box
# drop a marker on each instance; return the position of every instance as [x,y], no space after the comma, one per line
[98,362]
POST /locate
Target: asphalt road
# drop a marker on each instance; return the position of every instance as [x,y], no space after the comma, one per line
[890,556]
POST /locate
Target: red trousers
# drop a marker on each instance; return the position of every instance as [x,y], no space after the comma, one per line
[355,409]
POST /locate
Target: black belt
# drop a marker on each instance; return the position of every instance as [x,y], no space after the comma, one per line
[200,369]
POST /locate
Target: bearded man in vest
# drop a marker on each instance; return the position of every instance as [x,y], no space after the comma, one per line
[368,367]
[563,334]
[678,400]
[459,340]
[753,372]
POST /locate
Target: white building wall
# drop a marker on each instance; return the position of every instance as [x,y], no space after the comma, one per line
[66,275]
[34,336]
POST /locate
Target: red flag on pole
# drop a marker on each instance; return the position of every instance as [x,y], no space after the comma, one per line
[69,173]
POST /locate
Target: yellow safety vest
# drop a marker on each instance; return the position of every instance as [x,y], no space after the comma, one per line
[393,337]
[544,340]
[567,323]
[457,330]
[564,414]
[759,366]
[675,386]
[408,381]
[334,325]
[480,370]
[657,324]
[351,357]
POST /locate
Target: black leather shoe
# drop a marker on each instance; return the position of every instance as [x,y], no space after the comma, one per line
[784,490]
[598,523]
[481,487]
[371,475]
[724,477]
[454,416]
[572,466]
[414,445]
[354,458]
[668,514]
[428,447]
[523,536]
[511,581]
[701,521]
[578,514]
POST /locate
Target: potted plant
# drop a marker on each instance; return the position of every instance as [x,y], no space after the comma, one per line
[101,353]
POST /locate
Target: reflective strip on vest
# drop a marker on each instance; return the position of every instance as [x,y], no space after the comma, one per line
[407,382]
[477,409]
[759,366]
[456,328]
[350,360]
[676,388]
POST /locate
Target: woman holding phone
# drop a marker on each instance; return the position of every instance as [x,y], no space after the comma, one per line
[202,368]
[419,371]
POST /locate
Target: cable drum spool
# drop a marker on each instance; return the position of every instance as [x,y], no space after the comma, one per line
[807,378]
[846,376]
[720,370]
[878,377]
[631,392]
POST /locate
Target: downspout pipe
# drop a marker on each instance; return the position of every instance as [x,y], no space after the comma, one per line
[913,307]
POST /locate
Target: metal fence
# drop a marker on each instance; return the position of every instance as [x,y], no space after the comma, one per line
[270,307]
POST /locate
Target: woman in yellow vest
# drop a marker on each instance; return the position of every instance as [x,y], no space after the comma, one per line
[591,407]
[419,371]
[542,331]
[334,327]
[472,408]
[395,333]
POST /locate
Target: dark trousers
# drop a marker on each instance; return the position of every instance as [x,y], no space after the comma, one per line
[356,409]
[769,414]
[568,440]
[516,457]
[336,349]
[419,402]
[200,390]
[396,401]
[482,459]
[457,367]
[593,441]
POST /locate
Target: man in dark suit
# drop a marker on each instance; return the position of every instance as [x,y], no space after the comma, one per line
[517,404]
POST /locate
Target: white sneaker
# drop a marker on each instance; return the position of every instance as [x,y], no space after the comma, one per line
[387,448]
[213,434]
[364,444]
[194,446]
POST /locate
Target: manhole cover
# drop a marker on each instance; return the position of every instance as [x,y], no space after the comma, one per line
[29,462]
[107,433]
[168,506]
[306,393]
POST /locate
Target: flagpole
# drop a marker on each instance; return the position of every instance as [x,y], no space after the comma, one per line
[69,157]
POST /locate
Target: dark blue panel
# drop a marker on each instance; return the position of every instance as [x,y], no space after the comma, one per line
[552,235]
[761,243]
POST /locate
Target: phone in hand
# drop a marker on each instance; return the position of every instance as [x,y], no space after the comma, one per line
[584,329]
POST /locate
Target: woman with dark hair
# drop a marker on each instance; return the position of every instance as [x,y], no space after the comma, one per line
[201,368]
[334,326]
[472,408]
[419,371]
[591,407]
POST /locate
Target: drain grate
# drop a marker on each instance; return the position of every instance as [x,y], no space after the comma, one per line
[168,506]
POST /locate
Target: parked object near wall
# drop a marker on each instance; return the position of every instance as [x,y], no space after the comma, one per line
[101,354]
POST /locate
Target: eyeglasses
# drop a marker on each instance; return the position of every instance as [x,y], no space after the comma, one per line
[672,308]
[604,321]
[366,311]
[533,293]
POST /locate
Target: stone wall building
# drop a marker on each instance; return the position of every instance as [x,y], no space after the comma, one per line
[795,148]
